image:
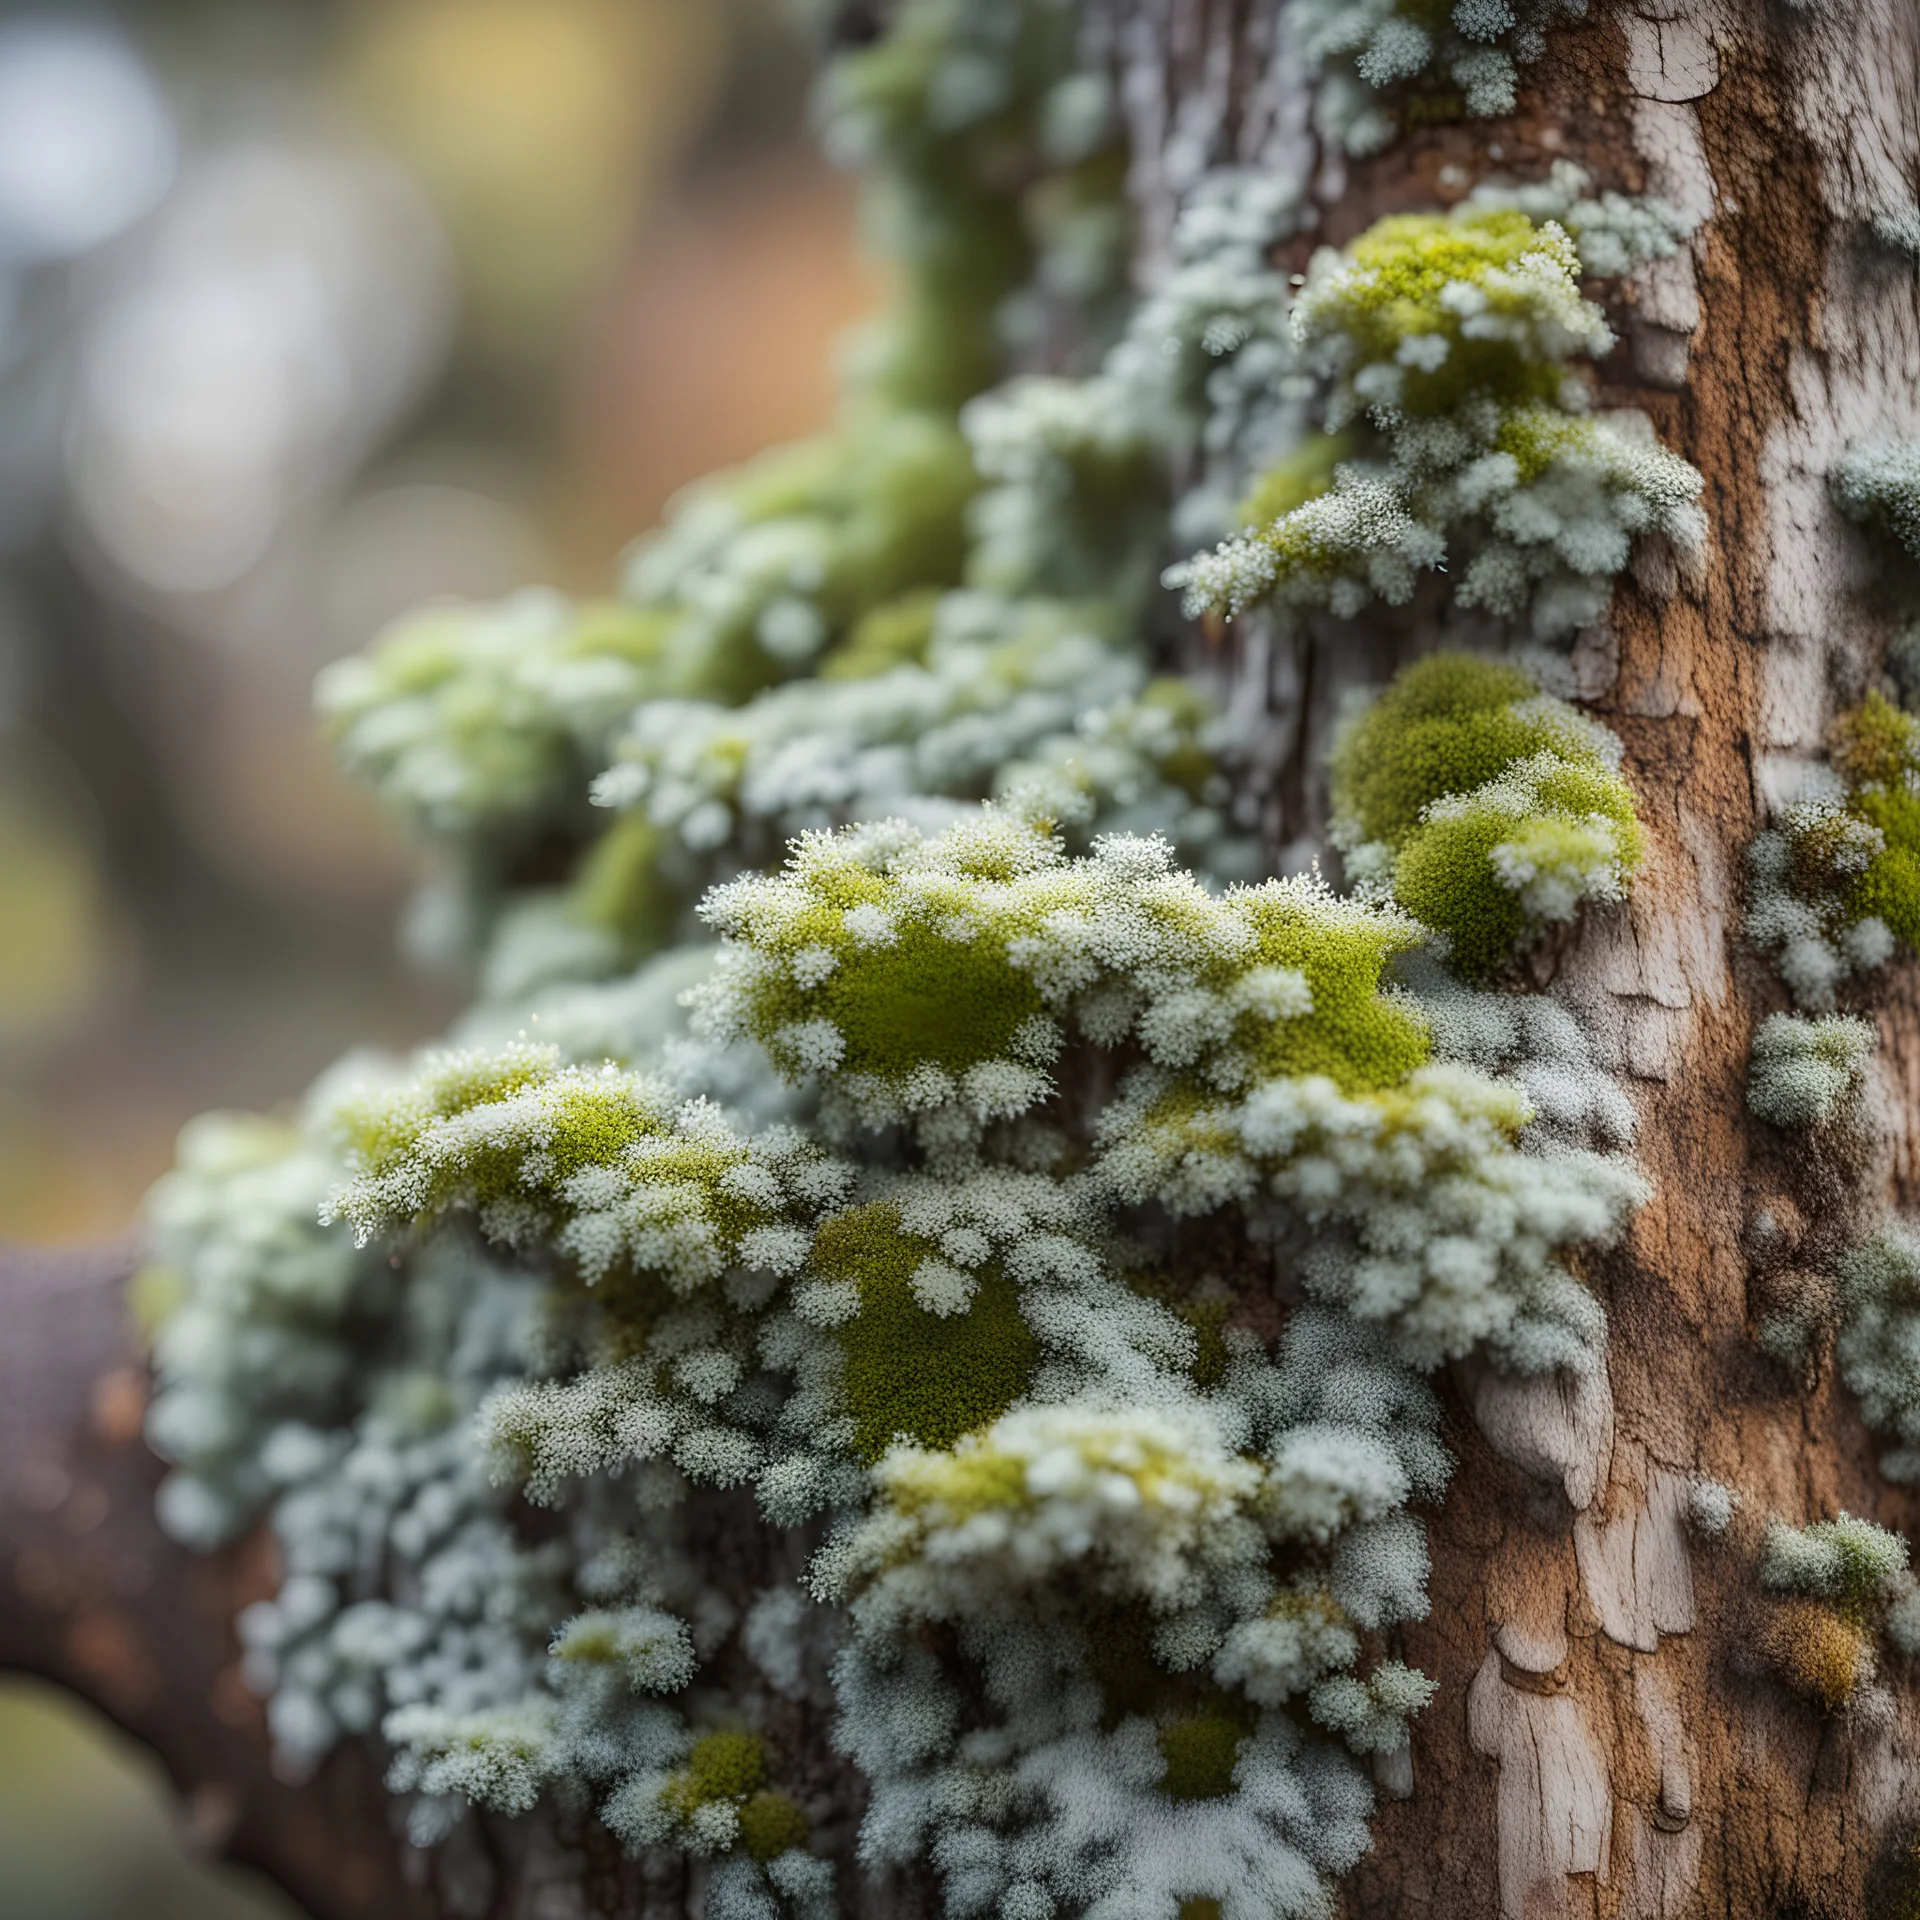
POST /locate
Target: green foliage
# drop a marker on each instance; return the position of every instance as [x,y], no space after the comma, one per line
[930,1376]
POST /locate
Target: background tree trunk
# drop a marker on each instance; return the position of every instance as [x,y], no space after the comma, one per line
[1600,1744]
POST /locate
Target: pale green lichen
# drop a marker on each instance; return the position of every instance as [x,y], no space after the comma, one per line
[1834,884]
[1448,343]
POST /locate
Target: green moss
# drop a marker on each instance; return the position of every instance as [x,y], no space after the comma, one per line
[1424,772]
[893,634]
[1398,271]
[622,888]
[1445,877]
[1867,1557]
[1875,744]
[1358,1037]
[1536,437]
[924,998]
[771,1824]
[1199,1753]
[616,629]
[887,493]
[1442,725]
[931,1377]
[1876,749]
[722,1766]
[380,1132]
[1891,885]
[1305,474]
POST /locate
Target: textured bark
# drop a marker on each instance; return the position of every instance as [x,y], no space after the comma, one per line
[1603,1743]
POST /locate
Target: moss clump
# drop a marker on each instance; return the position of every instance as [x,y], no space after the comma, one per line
[1199,1753]
[926,998]
[771,1824]
[721,1766]
[1489,808]
[1854,862]
[932,1377]
[1876,749]
[1490,300]
[1446,724]
[1457,871]
[1360,1038]
[1821,1656]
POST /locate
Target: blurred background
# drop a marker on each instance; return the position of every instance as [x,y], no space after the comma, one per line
[310,310]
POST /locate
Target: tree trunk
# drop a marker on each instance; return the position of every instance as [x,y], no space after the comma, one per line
[1601,1743]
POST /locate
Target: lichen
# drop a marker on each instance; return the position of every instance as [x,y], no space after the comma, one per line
[1447,345]
[1844,1576]
[1383,64]
[820,1175]
[1834,884]
[1878,484]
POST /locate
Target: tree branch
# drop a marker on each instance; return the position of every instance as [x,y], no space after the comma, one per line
[94,1597]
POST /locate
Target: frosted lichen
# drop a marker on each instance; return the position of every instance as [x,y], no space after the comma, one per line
[1448,344]
[1808,1073]
[1844,1577]
[1387,63]
[872,1264]
[1834,884]
[1878,484]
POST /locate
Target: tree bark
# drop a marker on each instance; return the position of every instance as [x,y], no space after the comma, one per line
[1601,1744]
[94,1597]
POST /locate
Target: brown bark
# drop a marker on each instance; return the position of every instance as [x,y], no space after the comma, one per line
[1604,1742]
[96,1598]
